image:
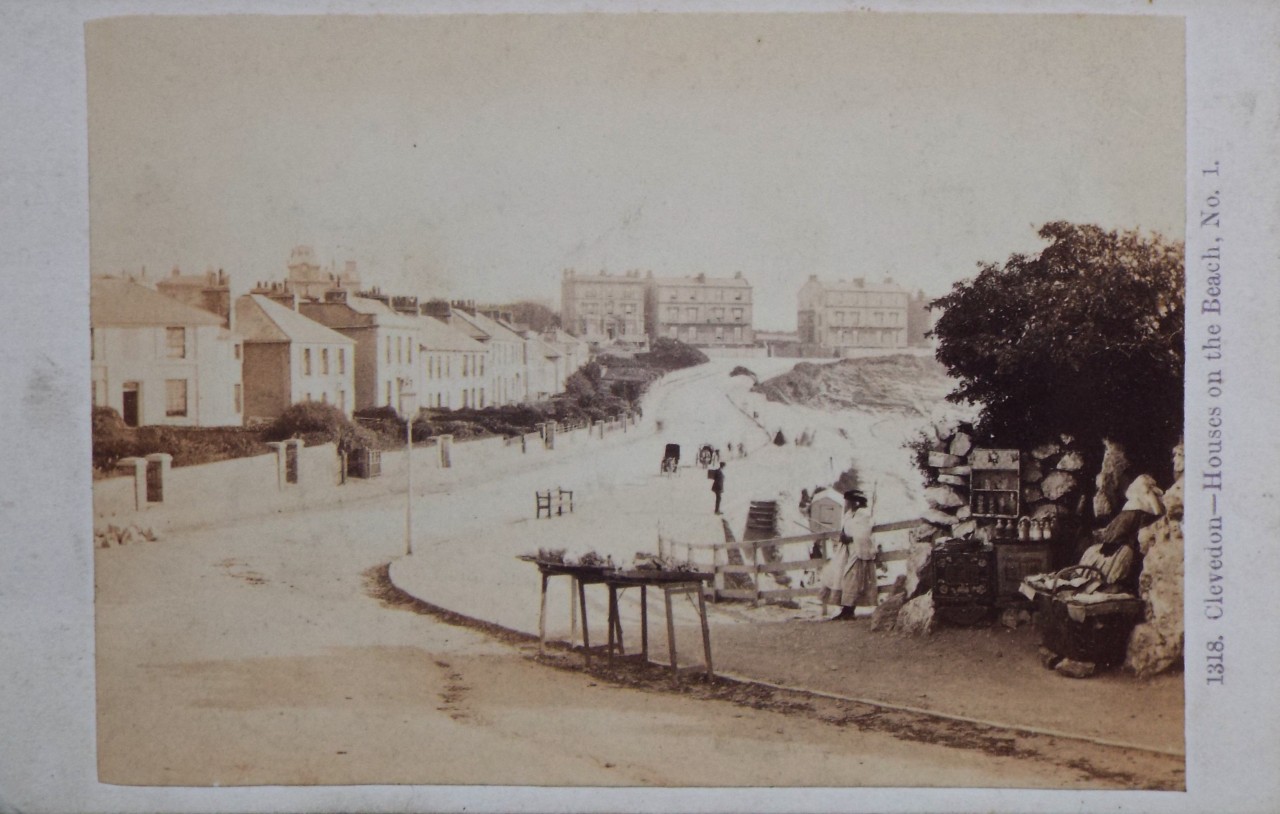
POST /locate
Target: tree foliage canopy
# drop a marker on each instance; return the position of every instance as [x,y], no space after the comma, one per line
[1085,338]
[536,316]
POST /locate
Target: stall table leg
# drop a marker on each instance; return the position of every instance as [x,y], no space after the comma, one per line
[542,617]
[573,611]
[671,634]
[706,633]
[644,624]
[586,634]
[613,617]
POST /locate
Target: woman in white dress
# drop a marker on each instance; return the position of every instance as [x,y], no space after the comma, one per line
[849,580]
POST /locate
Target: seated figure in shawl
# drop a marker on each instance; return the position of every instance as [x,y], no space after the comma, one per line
[1115,548]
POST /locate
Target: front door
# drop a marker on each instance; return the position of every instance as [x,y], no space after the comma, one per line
[130,404]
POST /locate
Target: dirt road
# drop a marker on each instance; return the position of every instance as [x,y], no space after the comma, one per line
[249,655]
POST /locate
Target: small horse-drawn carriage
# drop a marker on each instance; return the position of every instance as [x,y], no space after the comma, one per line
[707,456]
[671,459]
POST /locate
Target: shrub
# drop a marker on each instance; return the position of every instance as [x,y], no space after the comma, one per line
[669,354]
[112,440]
[190,446]
[318,423]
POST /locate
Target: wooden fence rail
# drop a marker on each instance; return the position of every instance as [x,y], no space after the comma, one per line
[765,557]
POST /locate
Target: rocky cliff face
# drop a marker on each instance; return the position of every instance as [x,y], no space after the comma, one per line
[899,383]
[1156,643]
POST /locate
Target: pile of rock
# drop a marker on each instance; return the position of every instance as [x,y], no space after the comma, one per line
[115,535]
[1156,643]
[1052,484]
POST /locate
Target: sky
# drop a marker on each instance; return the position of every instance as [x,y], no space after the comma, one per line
[479,156]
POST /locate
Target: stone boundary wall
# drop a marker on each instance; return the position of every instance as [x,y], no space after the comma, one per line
[247,487]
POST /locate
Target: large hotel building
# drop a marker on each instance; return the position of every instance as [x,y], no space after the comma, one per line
[701,310]
[603,307]
[843,315]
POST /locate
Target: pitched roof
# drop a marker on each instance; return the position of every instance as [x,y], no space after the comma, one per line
[736,282]
[859,285]
[120,303]
[382,313]
[259,319]
[561,336]
[435,334]
[357,312]
[490,326]
[545,348]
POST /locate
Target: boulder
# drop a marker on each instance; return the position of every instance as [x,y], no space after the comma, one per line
[1057,485]
[961,443]
[1111,481]
[938,460]
[1157,644]
[1031,493]
[918,563]
[1050,510]
[944,497]
[964,513]
[964,529]
[938,517]
[1067,440]
[1071,462]
[916,616]
[1150,653]
[886,613]
[1045,451]
[1031,471]
[1076,669]
[953,480]
[1013,618]
[924,531]
[946,429]
[962,471]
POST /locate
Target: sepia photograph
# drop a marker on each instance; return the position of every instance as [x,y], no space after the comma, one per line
[653,400]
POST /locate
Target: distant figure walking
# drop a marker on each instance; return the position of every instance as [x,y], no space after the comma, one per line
[717,483]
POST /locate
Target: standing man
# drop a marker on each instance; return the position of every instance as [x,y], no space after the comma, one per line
[717,483]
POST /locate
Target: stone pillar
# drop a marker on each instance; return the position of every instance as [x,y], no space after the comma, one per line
[550,438]
[296,443]
[445,449]
[278,448]
[157,475]
[137,469]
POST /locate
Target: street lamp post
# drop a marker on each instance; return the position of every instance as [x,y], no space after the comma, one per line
[408,404]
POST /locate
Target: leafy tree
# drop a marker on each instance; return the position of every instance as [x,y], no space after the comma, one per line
[535,315]
[1084,338]
[671,354]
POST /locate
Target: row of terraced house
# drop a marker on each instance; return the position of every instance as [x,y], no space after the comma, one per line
[182,351]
